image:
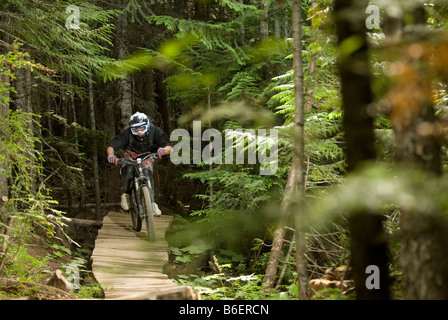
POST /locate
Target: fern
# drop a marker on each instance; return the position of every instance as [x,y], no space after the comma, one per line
[41,27]
[323,135]
[238,7]
[242,86]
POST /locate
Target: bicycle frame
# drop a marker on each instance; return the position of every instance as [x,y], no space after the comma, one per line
[139,181]
[142,195]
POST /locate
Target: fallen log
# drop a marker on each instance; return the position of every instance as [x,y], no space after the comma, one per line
[85,223]
[87,205]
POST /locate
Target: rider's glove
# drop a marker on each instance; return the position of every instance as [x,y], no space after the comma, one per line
[112,159]
[161,152]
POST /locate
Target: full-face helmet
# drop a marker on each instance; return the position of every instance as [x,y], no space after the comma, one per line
[139,124]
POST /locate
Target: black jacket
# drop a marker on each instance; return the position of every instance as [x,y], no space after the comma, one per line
[152,141]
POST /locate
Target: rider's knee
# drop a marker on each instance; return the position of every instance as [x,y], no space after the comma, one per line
[127,171]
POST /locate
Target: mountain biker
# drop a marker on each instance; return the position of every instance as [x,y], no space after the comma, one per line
[142,136]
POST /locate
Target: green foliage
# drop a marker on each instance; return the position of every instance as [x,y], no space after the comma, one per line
[14,59]
[90,291]
[29,203]
[208,61]
[230,283]
[237,195]
[79,260]
[221,286]
[243,86]
[24,267]
[67,158]
[215,60]
[234,188]
[77,52]
[188,253]
[372,190]
[59,251]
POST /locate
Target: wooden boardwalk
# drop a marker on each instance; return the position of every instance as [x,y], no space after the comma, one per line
[127,266]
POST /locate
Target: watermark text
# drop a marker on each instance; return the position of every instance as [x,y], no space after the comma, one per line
[240,146]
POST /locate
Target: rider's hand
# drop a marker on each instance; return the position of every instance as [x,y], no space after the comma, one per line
[112,159]
[161,152]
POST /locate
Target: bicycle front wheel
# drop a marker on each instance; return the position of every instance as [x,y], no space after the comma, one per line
[149,219]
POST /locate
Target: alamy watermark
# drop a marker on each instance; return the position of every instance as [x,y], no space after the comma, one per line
[72,272]
[240,146]
[373,280]
[73,20]
[373,20]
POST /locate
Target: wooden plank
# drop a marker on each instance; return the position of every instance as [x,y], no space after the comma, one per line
[128,266]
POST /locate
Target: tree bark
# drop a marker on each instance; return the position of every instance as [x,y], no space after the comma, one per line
[124,86]
[22,102]
[96,174]
[356,82]
[299,152]
[277,26]
[65,107]
[368,245]
[264,20]
[4,110]
[85,223]
[163,102]
[82,198]
[424,234]
[242,28]
[369,248]
[423,256]
[293,198]
[279,233]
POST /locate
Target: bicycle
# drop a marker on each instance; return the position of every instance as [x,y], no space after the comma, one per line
[142,196]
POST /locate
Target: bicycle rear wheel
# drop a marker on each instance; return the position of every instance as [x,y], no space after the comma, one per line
[135,216]
[149,219]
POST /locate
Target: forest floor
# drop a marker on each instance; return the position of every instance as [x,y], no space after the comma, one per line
[37,248]
[44,256]
[52,255]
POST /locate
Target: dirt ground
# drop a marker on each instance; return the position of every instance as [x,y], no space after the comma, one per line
[39,246]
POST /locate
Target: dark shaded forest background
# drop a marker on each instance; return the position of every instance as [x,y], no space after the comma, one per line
[367,187]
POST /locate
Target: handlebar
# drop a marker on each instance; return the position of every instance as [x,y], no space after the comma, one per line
[150,156]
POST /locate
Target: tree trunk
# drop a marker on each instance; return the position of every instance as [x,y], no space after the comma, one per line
[359,143]
[356,83]
[293,197]
[124,86]
[65,107]
[162,101]
[279,233]
[277,26]
[264,20]
[72,108]
[242,28]
[4,110]
[369,248]
[299,152]
[424,246]
[22,102]
[423,255]
[96,174]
